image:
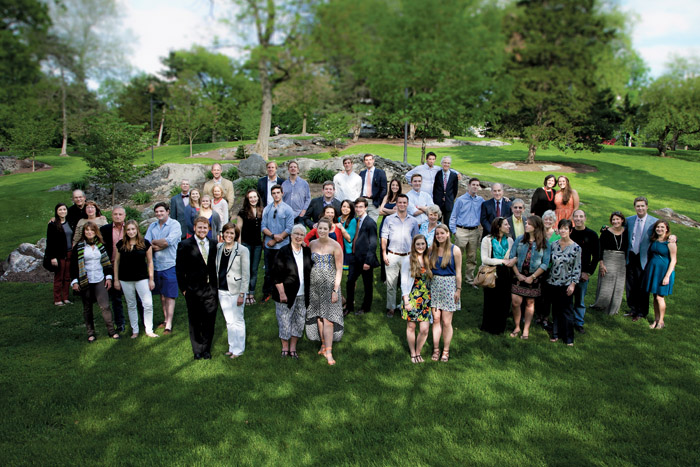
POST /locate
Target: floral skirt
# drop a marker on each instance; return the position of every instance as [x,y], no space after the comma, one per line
[442,293]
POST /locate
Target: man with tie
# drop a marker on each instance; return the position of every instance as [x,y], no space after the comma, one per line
[196,277]
[364,254]
[464,224]
[317,205]
[178,206]
[493,208]
[373,186]
[639,230]
[445,188]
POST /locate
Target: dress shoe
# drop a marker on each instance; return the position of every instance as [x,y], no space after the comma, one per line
[122,328]
[198,356]
[389,313]
[580,329]
[359,312]
[206,356]
[636,318]
[629,315]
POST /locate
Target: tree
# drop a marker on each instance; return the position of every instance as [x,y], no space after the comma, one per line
[305,92]
[110,147]
[278,26]
[189,113]
[31,132]
[335,128]
[552,48]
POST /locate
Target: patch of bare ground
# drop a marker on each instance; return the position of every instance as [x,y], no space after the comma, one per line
[559,167]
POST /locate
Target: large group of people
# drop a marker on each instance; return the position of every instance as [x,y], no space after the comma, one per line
[534,267]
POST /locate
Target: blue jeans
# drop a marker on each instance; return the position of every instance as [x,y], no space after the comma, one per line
[255,255]
[579,305]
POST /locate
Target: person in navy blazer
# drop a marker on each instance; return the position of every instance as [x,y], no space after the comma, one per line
[272,177]
[489,210]
[379,187]
[637,255]
[443,196]
[364,258]
[178,208]
[198,282]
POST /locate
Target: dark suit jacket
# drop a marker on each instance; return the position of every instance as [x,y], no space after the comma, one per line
[488,213]
[192,272]
[74,215]
[445,199]
[106,232]
[379,186]
[55,241]
[366,243]
[315,211]
[284,271]
[262,188]
[511,234]
[179,212]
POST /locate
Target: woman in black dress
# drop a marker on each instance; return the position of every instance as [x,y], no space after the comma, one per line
[543,198]
[249,221]
[495,251]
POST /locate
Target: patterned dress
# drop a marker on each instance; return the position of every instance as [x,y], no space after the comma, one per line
[320,305]
[419,298]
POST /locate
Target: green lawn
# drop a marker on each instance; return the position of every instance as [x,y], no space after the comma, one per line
[625,395]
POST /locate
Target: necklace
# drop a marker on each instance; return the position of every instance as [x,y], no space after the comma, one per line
[618,246]
[296,252]
[548,192]
[227,251]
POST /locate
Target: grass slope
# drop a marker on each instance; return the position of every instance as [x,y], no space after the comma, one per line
[624,395]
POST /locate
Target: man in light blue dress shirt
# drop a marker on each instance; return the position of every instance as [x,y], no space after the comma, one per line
[418,201]
[464,224]
[277,223]
[297,193]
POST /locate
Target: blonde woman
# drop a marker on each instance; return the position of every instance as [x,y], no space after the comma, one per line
[192,211]
[219,204]
[212,216]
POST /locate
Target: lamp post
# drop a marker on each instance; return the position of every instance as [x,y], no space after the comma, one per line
[405,133]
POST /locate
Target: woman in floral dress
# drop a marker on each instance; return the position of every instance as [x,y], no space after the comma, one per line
[415,287]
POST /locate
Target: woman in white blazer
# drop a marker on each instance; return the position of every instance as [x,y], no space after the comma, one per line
[233,275]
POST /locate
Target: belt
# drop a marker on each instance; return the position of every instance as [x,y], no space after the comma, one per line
[468,228]
[398,254]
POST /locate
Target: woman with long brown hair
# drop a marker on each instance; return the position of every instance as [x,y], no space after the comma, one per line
[659,273]
[59,242]
[133,273]
[445,289]
[532,251]
[91,276]
[495,251]
[249,221]
[565,200]
[94,215]
[416,275]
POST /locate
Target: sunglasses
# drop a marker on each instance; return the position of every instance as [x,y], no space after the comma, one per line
[274,214]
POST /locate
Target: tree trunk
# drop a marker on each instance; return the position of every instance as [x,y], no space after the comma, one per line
[674,140]
[160,132]
[532,150]
[64,116]
[661,147]
[114,192]
[191,138]
[411,133]
[262,144]
[422,150]
[303,126]
[356,129]
[33,168]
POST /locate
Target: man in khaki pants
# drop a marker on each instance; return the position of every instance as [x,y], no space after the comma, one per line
[464,224]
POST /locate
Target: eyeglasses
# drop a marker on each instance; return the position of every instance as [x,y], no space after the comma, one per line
[516,207]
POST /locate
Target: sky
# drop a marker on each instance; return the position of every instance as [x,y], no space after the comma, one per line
[661,28]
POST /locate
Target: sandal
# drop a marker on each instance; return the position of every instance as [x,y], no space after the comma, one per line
[116,336]
[252,300]
[554,339]
[58,303]
[293,354]
[445,356]
[653,325]
[660,325]
[413,359]
[514,333]
[285,353]
[91,339]
[436,355]
[524,337]
[419,359]
[228,354]
[135,335]
[152,334]
[322,351]
[331,361]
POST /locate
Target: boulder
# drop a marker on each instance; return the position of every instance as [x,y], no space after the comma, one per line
[64,187]
[25,264]
[253,166]
[670,215]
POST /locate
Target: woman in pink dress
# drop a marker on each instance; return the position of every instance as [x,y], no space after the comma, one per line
[566,199]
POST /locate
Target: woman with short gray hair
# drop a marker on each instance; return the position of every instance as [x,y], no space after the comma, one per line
[427,228]
[291,275]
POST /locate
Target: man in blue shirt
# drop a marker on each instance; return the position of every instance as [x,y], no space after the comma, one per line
[297,193]
[164,235]
[464,224]
[277,223]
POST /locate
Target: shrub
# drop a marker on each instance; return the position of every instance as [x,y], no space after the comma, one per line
[319,175]
[334,152]
[176,190]
[6,172]
[231,174]
[149,167]
[132,213]
[241,152]
[245,184]
[209,175]
[141,197]
[79,185]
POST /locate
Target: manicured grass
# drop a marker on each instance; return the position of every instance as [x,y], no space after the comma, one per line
[180,154]
[625,395]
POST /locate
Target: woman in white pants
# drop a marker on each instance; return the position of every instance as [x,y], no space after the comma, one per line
[233,274]
[133,273]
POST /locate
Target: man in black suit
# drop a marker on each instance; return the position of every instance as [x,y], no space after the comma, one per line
[112,233]
[493,208]
[375,191]
[445,193]
[317,205]
[77,210]
[178,206]
[364,258]
[265,184]
[196,277]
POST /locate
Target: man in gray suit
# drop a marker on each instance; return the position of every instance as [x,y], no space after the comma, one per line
[639,230]
[178,206]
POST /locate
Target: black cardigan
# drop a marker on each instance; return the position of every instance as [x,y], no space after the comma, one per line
[284,271]
[55,241]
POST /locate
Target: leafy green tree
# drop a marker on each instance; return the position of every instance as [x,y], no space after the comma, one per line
[335,128]
[31,133]
[189,113]
[110,147]
[306,91]
[553,46]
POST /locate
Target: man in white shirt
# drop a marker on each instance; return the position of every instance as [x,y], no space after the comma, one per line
[428,171]
[418,200]
[348,184]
